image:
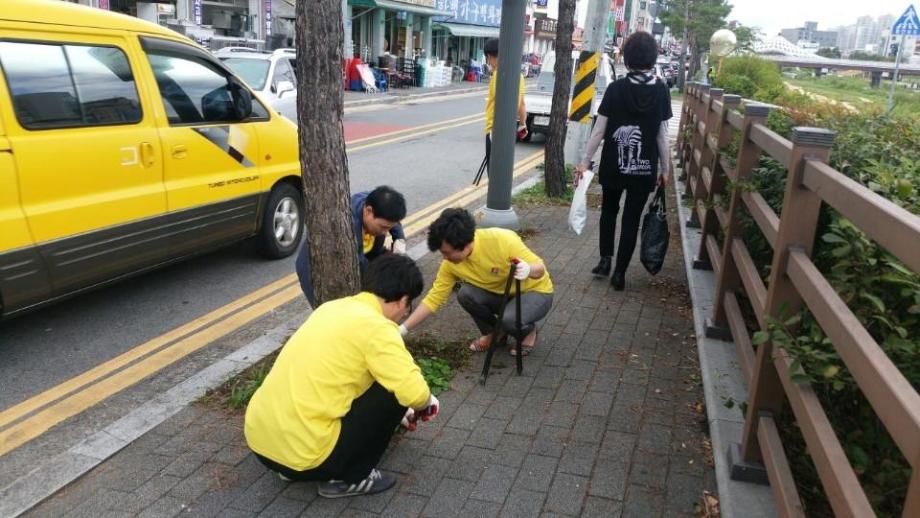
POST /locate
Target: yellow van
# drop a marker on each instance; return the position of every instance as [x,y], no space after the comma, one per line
[124,146]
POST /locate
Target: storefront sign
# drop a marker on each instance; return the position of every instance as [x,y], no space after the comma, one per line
[487,13]
[196,11]
[268,18]
[541,3]
[103,4]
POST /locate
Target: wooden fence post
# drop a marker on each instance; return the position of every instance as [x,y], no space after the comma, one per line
[797,226]
[716,125]
[704,105]
[684,143]
[729,279]
[684,117]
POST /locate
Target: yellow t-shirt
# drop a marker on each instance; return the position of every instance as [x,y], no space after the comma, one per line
[294,418]
[368,242]
[487,267]
[490,101]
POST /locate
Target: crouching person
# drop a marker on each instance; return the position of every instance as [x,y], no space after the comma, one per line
[481,259]
[340,387]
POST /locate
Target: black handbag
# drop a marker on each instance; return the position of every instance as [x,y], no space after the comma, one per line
[655,234]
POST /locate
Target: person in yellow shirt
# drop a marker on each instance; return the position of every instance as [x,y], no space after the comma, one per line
[490,49]
[481,259]
[340,387]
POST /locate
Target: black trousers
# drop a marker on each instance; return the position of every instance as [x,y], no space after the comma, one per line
[636,199]
[366,431]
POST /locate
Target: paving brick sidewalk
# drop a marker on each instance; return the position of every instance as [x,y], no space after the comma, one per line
[604,422]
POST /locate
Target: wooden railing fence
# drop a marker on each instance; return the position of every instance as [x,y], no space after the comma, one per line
[709,121]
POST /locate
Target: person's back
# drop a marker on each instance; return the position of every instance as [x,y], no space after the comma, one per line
[326,364]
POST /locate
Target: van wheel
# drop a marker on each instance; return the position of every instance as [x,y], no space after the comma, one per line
[282,222]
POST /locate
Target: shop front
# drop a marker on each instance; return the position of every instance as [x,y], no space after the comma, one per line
[401,28]
[459,37]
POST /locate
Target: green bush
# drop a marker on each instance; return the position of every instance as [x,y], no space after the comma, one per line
[750,77]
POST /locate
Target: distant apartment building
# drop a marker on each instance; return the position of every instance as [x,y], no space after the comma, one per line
[809,36]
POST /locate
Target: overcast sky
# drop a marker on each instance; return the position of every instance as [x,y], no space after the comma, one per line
[773,15]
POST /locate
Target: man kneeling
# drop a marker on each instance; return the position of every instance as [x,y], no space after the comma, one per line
[342,383]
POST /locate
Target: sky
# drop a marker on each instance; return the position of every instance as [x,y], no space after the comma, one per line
[773,15]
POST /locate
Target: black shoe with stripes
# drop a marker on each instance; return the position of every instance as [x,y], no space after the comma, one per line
[375,482]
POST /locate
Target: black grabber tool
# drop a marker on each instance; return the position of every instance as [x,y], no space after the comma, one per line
[482,169]
[497,342]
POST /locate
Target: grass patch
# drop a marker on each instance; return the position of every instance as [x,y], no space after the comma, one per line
[438,359]
[857,92]
[535,196]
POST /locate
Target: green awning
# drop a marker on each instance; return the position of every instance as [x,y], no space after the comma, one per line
[394,5]
[474,31]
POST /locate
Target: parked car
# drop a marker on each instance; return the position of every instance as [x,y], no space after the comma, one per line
[272,75]
[663,70]
[125,147]
[540,100]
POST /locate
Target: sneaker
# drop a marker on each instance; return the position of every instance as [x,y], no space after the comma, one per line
[618,281]
[376,482]
[283,478]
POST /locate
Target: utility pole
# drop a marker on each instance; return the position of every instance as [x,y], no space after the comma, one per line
[498,211]
[682,75]
[595,35]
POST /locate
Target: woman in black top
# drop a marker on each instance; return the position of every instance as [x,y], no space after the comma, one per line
[633,123]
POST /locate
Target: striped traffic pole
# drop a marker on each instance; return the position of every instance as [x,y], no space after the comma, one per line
[583,93]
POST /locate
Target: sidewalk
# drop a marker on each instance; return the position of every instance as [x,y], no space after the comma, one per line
[606,420]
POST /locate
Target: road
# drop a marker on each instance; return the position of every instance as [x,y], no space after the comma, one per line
[428,150]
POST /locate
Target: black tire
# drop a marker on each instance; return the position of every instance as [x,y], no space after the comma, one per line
[283,199]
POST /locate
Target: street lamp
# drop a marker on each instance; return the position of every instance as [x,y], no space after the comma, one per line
[721,44]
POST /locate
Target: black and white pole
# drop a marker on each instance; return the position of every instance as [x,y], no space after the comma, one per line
[498,211]
[579,130]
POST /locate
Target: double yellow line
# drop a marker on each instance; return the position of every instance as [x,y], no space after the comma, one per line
[31,418]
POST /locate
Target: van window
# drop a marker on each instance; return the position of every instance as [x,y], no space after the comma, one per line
[282,72]
[60,86]
[194,90]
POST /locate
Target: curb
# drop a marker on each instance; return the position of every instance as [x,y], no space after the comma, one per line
[393,99]
[56,473]
[722,380]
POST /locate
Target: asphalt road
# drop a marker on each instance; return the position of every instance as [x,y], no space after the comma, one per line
[54,344]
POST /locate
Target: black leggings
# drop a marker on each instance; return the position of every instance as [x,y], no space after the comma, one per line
[629,227]
[366,431]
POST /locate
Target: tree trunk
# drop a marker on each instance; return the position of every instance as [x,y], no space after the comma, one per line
[328,219]
[554,173]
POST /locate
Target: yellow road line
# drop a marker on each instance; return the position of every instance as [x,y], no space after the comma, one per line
[34,403]
[16,435]
[415,134]
[415,128]
[91,387]
[468,195]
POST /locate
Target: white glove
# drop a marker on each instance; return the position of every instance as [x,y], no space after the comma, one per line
[408,422]
[521,270]
[399,246]
[403,330]
[431,409]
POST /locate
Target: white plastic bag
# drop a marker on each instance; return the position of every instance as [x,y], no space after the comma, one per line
[578,213]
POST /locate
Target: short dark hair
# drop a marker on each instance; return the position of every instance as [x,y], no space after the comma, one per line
[456,227]
[490,47]
[387,203]
[640,51]
[392,277]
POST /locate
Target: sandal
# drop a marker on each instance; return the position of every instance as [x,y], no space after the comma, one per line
[525,349]
[477,345]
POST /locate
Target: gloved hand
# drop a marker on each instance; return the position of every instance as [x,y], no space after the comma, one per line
[408,420]
[431,409]
[521,131]
[399,247]
[403,330]
[521,270]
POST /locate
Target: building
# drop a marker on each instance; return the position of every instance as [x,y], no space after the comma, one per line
[809,36]
[259,24]
[404,28]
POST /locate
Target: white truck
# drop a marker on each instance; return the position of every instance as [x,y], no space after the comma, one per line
[539,100]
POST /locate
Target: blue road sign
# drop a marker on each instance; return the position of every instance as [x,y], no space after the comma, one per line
[908,24]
